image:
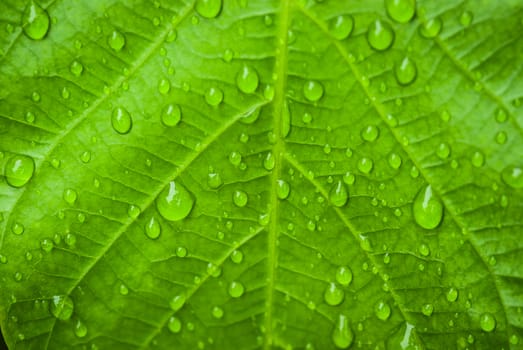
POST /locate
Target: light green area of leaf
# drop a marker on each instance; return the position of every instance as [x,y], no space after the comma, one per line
[261,174]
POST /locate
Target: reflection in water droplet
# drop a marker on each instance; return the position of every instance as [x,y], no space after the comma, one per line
[35,21]
[427,208]
[19,170]
[175,202]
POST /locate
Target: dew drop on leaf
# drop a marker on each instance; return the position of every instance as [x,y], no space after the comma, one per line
[427,208]
[174,324]
[382,310]
[401,11]
[341,26]
[133,211]
[70,196]
[214,180]
[153,228]
[116,41]
[343,274]
[47,245]
[370,133]
[394,160]
[406,71]
[313,90]
[30,117]
[251,115]
[283,189]
[380,35]
[247,80]
[501,116]
[513,176]
[339,195]
[171,115]
[217,312]
[214,96]
[61,307]
[80,329]
[466,18]
[424,249]
[269,161]
[478,159]
[214,270]
[85,157]
[431,28]
[177,302]
[235,158]
[487,322]
[240,198]
[342,335]
[443,150]
[17,228]
[501,137]
[19,170]
[35,21]
[164,86]
[427,309]
[76,68]
[237,256]
[333,294]
[236,289]
[175,202]
[121,120]
[365,165]
[208,8]
[452,294]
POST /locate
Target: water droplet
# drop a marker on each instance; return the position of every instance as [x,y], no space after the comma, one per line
[269,161]
[80,329]
[501,137]
[501,116]
[214,96]
[513,176]
[251,115]
[380,35]
[424,249]
[123,289]
[427,208]
[171,115]
[394,160]
[174,324]
[18,170]
[443,151]
[313,90]
[61,307]
[70,196]
[333,294]
[342,335]
[214,180]
[466,18]
[237,256]
[341,26]
[164,86]
[339,195]
[121,120]
[175,202]
[30,117]
[35,96]
[382,310]
[35,21]
[514,340]
[406,71]
[17,228]
[365,165]
[177,302]
[76,68]
[85,157]
[282,189]
[285,119]
[153,228]
[431,28]
[343,275]
[247,80]
[487,322]
[209,8]
[235,158]
[401,11]
[236,289]
[478,159]
[133,211]
[452,294]
[217,312]
[214,270]
[47,245]
[349,178]
[240,198]
[370,133]
[427,309]
[116,41]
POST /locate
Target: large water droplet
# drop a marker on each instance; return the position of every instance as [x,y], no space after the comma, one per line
[333,294]
[313,90]
[236,289]
[153,228]
[342,335]
[247,80]
[214,96]
[121,120]
[382,310]
[513,176]
[431,28]
[283,189]
[18,170]
[380,35]
[339,195]
[240,198]
[61,307]
[175,202]
[174,324]
[237,256]
[487,322]
[365,165]
[209,8]
[80,329]
[341,27]
[171,115]
[406,71]
[401,11]
[370,133]
[344,275]
[35,21]
[177,302]
[116,41]
[427,208]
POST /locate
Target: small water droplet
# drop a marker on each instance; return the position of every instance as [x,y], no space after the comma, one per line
[513,176]
[342,335]
[427,208]
[452,294]
[431,28]
[382,310]
[35,21]
[343,275]
[269,161]
[214,180]
[153,228]
[333,294]
[370,133]
[171,115]
[394,160]
[282,189]
[133,211]
[175,202]
[313,90]
[76,68]
[427,309]
[478,159]
[70,196]
[236,289]
[235,158]
[247,80]
[251,115]
[365,165]
[240,198]
[217,312]
[116,40]
[85,157]
[341,26]
[401,11]
[406,71]
[61,307]
[17,228]
[380,35]
[501,137]
[237,256]
[177,302]
[214,270]
[285,119]
[424,249]
[443,150]
[164,86]
[209,8]
[339,195]
[174,324]
[80,329]
[214,96]
[466,18]
[121,120]
[47,245]
[501,115]
[19,170]
[487,322]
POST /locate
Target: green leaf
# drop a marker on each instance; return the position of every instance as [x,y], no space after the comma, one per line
[276,174]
